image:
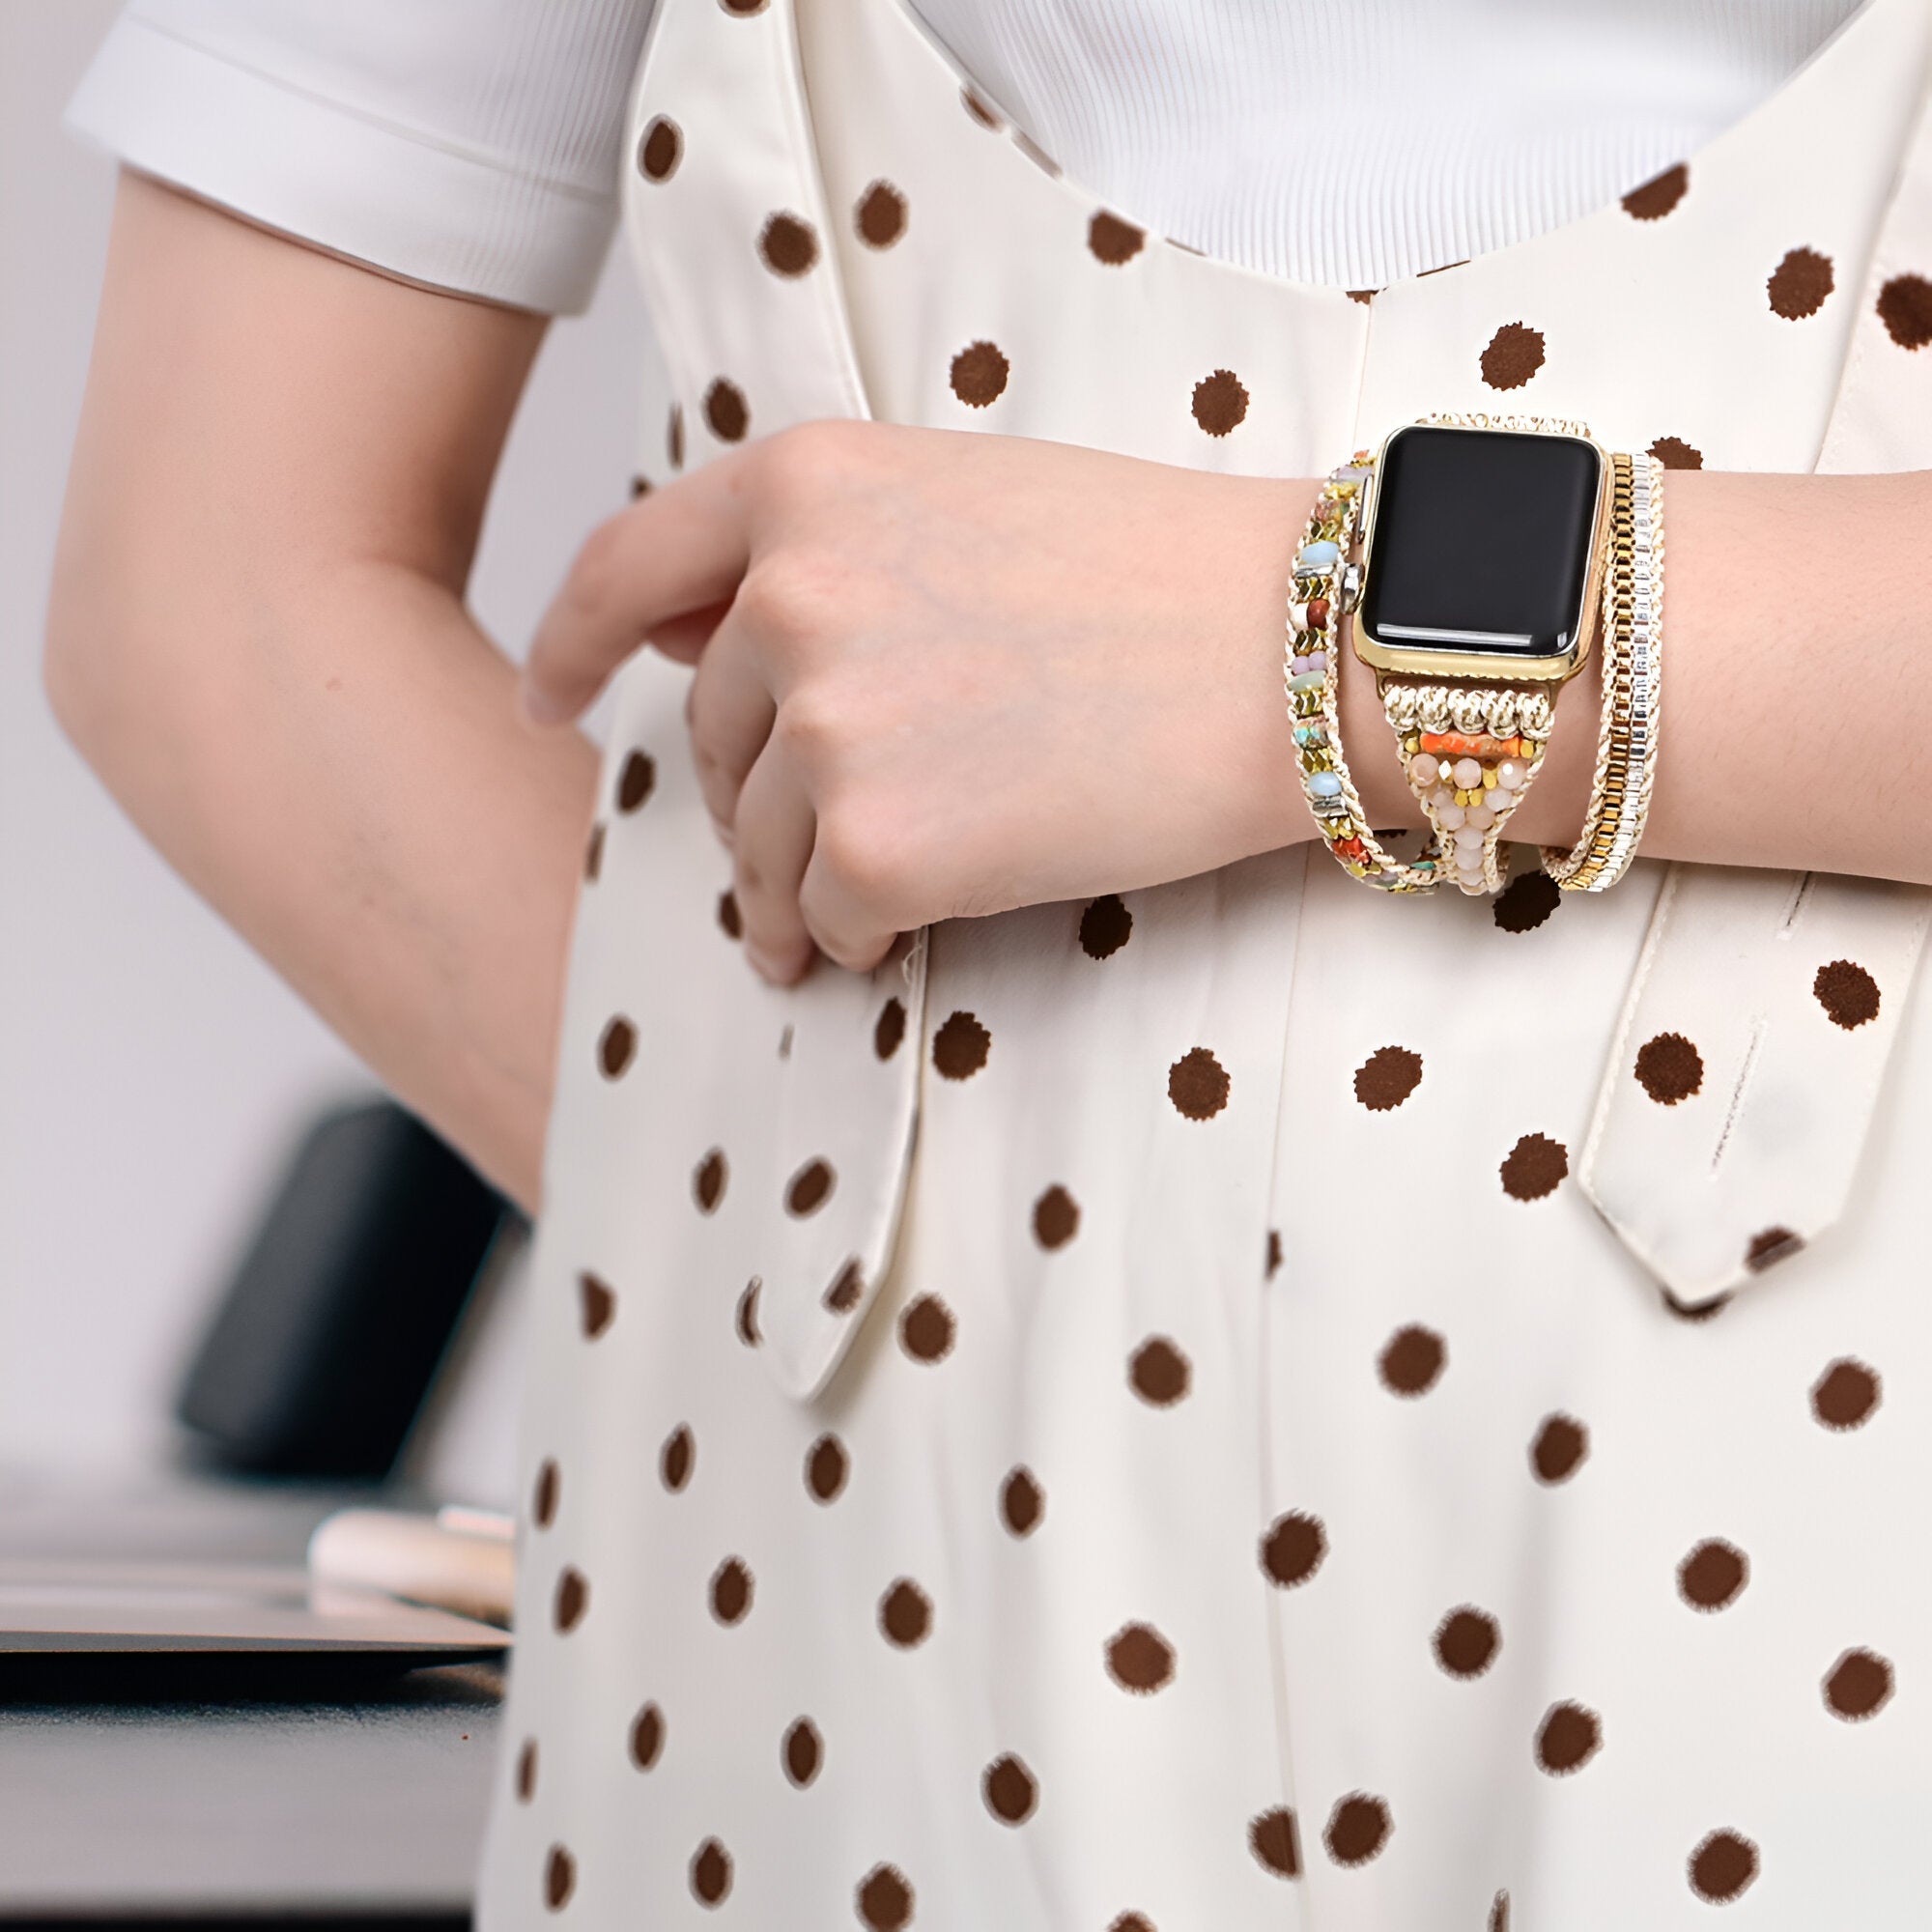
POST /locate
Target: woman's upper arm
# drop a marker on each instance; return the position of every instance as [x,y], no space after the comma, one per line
[257,412]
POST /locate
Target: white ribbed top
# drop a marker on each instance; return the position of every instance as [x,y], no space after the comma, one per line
[1353,142]
[473,144]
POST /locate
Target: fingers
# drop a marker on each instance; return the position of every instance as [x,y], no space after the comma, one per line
[771,846]
[729,710]
[845,930]
[668,556]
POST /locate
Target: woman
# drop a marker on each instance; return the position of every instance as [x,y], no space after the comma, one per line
[1243,1459]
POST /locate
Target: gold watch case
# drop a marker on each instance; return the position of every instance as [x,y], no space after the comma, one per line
[1480,666]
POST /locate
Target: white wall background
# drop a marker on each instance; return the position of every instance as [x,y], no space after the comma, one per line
[153,1072]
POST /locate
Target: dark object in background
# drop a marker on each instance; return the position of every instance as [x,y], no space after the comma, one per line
[330,1331]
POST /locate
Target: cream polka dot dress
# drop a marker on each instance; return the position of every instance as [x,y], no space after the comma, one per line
[1249,1404]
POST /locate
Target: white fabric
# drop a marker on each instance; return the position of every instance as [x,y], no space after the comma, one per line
[1251,1487]
[473,144]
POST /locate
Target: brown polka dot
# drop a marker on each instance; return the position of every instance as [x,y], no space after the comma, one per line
[1674,453]
[710,1873]
[726,411]
[708,1180]
[847,1286]
[559,1878]
[593,852]
[980,375]
[615,1045]
[746,1320]
[647,1736]
[1499,1912]
[1413,1360]
[596,1305]
[1273,1264]
[906,1614]
[1770,1246]
[880,216]
[804,1752]
[1022,1501]
[885,1899]
[743,8]
[1658,196]
[1140,1659]
[1466,1641]
[960,1046]
[729,918]
[1105,926]
[1056,1218]
[1276,1843]
[1569,1737]
[1220,402]
[826,1467]
[788,245]
[526,1772]
[1713,1576]
[1363,296]
[1695,1311]
[1905,308]
[1131,1922]
[543,1500]
[1669,1069]
[890,1030]
[1197,1083]
[1560,1447]
[1293,1547]
[731,1585]
[1534,1167]
[1859,1685]
[636,780]
[978,109]
[1722,1867]
[1387,1077]
[1526,902]
[1799,284]
[571,1600]
[1845,1395]
[674,436]
[927,1329]
[1158,1373]
[810,1188]
[661,149]
[1010,1789]
[1114,241]
[1514,355]
[1848,993]
[1034,152]
[1358,1827]
[675,1458]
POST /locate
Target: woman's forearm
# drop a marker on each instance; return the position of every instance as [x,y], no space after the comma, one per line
[1798,655]
[348,788]
[257,636]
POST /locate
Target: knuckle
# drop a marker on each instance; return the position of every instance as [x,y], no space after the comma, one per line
[799,465]
[815,724]
[792,598]
[864,859]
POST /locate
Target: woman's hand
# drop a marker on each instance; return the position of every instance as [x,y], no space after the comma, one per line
[942,674]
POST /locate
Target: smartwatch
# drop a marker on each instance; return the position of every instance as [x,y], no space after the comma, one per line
[1479,597]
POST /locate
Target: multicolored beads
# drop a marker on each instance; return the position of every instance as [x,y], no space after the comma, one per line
[1322,577]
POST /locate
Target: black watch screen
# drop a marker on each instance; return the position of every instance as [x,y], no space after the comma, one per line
[1481,542]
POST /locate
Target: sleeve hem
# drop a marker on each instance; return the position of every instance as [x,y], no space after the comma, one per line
[358,188]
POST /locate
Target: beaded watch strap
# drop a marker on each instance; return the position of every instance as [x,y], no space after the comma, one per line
[1632,686]
[1469,752]
[1309,670]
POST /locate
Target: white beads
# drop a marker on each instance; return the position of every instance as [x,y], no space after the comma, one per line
[1422,768]
[1468,774]
[1510,775]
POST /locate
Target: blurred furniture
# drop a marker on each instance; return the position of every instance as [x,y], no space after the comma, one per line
[363,1810]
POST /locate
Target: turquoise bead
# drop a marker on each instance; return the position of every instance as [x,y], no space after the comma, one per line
[1309,680]
[1325,784]
[1321,555]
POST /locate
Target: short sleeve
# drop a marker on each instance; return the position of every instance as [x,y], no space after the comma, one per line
[471,145]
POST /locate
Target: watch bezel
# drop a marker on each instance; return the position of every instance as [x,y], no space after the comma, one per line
[1413,660]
